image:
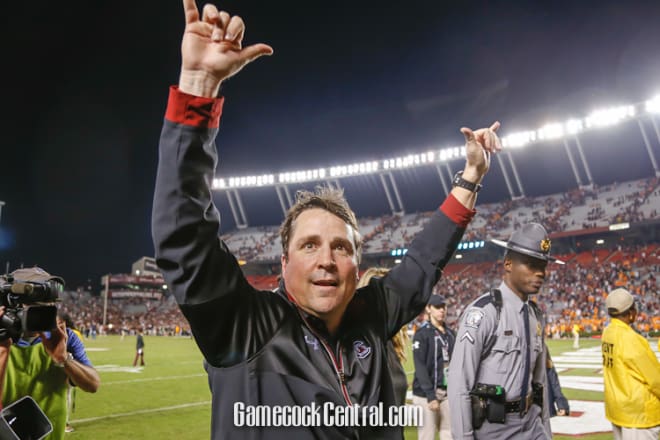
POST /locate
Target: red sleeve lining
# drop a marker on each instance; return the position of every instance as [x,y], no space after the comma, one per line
[456,212]
[193,110]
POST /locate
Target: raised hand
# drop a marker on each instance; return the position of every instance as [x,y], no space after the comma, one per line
[55,346]
[479,145]
[212,50]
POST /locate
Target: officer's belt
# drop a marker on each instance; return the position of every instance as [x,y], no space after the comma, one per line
[515,405]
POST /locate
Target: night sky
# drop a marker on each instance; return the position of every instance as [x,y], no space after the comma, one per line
[87,82]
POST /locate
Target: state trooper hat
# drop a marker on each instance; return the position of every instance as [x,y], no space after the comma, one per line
[437,300]
[532,239]
[619,301]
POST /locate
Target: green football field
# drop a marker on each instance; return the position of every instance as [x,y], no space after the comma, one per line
[170,399]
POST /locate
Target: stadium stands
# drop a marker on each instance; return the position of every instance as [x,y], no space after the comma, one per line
[573,293]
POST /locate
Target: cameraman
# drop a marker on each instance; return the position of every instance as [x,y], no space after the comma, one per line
[42,364]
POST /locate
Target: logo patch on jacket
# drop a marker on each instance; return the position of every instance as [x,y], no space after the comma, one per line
[362,350]
[311,340]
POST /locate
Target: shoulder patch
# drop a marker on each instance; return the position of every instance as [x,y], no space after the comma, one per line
[473,318]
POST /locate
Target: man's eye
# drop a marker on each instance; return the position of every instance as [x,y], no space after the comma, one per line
[308,245]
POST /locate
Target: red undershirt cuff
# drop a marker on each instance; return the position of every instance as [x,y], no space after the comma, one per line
[456,212]
[195,111]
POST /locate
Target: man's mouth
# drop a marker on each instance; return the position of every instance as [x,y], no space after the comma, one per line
[325,283]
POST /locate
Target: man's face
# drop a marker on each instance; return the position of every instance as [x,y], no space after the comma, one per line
[525,274]
[320,267]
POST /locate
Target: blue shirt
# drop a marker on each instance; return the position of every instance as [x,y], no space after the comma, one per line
[73,345]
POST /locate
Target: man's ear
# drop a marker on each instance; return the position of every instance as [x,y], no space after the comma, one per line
[508,264]
[283,261]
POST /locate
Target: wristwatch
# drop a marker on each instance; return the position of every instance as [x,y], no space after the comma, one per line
[67,359]
[470,186]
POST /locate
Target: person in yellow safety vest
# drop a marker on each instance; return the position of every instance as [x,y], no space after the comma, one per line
[631,373]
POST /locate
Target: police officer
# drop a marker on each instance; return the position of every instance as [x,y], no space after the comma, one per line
[497,371]
[432,347]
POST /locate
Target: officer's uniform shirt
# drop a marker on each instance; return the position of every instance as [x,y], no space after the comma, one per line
[503,365]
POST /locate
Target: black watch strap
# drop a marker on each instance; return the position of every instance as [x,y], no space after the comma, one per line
[470,186]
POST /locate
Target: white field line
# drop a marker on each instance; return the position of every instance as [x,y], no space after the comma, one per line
[151,379]
[142,411]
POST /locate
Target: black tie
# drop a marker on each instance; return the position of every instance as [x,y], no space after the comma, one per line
[523,391]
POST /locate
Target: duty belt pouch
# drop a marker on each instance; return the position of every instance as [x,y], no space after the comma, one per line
[537,394]
[492,400]
[496,412]
[479,405]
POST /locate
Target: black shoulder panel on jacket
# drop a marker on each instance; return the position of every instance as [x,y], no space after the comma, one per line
[483,301]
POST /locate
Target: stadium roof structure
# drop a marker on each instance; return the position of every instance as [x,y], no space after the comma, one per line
[602,139]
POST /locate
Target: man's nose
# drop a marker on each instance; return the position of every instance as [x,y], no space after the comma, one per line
[326,257]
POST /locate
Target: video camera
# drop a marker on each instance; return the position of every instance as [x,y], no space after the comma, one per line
[28,296]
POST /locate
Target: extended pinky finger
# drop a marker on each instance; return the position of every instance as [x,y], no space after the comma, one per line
[209,13]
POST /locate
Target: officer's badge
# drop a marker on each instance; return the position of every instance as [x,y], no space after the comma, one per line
[545,245]
[473,318]
[538,329]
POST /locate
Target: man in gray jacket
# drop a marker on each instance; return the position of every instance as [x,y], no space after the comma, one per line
[316,343]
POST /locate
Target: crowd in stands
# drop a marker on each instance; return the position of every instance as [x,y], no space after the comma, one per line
[124,316]
[574,293]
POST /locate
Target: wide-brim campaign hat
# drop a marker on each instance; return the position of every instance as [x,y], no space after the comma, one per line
[532,239]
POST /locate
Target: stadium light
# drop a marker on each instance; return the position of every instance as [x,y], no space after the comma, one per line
[520,139]
[447,154]
[609,116]
[551,131]
[653,105]
[573,126]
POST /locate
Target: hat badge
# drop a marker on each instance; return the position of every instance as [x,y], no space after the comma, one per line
[545,245]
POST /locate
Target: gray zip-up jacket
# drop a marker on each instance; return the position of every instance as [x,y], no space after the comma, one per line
[261,349]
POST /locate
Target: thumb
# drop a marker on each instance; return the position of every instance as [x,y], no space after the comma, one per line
[469,134]
[251,53]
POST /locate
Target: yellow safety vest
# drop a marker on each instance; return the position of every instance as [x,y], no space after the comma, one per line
[631,374]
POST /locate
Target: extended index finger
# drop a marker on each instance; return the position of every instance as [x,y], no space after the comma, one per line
[190,10]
